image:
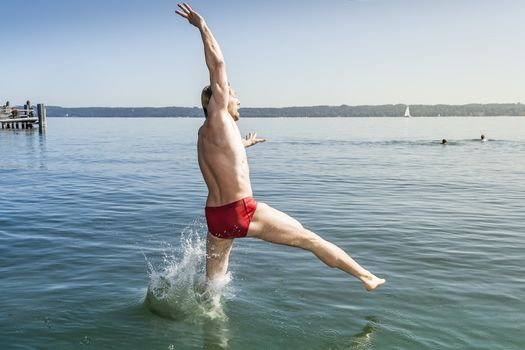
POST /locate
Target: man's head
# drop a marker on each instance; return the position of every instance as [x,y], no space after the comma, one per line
[233,102]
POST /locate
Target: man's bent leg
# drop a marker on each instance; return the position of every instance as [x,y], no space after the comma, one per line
[217,256]
[275,226]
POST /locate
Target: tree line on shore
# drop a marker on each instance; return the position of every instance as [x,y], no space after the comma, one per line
[397,110]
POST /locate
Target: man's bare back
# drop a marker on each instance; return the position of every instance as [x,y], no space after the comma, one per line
[231,211]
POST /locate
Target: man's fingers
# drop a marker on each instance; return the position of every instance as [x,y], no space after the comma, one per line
[186,7]
[189,7]
[253,137]
[183,9]
[181,14]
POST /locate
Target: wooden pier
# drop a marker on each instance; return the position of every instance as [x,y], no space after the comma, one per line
[23,117]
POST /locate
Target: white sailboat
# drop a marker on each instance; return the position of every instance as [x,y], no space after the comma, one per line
[407,112]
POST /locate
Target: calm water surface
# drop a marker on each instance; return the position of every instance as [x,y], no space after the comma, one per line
[98,210]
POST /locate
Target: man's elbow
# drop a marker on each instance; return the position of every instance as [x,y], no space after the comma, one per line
[216,66]
[219,64]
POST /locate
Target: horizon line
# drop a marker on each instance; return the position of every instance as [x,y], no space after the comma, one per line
[305,106]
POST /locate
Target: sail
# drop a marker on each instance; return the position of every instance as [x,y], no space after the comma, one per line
[407,112]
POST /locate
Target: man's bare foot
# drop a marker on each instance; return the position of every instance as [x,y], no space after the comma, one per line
[371,282]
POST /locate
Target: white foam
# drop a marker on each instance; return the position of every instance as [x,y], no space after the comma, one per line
[178,288]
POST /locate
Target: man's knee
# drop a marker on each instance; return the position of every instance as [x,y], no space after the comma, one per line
[306,239]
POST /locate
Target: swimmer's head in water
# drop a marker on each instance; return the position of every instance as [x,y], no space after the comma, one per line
[483,137]
[444,141]
[233,102]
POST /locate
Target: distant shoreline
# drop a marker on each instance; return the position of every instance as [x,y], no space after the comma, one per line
[345,111]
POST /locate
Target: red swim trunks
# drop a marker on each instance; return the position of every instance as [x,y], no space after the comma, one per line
[231,220]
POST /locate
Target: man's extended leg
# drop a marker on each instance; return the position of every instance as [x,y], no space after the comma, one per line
[217,256]
[275,226]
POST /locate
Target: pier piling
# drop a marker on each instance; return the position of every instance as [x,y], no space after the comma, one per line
[42,124]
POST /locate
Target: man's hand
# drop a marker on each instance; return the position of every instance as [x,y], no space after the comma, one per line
[192,16]
[251,139]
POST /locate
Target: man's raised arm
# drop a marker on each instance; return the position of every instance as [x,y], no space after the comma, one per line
[214,59]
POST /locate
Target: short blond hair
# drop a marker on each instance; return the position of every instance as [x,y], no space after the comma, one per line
[205,99]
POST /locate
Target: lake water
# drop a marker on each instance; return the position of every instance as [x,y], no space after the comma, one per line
[97,210]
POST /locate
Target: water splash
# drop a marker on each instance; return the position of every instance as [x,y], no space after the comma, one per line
[178,288]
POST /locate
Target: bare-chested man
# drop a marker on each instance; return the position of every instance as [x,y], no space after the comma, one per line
[231,211]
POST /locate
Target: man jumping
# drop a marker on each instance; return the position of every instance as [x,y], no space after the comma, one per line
[231,211]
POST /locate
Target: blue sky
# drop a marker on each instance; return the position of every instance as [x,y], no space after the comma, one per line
[278,53]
